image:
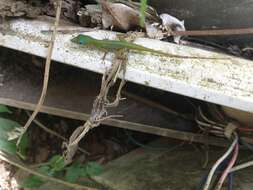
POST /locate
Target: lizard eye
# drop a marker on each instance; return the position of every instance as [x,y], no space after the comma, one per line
[82,41]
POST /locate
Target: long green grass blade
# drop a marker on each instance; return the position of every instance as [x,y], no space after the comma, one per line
[143,12]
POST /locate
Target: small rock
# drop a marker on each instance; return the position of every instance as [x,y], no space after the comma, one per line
[171,23]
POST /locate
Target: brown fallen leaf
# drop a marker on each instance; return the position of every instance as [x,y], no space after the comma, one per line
[123,15]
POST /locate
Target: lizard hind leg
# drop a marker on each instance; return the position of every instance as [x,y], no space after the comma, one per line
[104,56]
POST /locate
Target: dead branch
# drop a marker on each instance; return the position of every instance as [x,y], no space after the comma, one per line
[99,111]
[46,73]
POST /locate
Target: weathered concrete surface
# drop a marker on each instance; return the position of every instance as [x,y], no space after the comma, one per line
[180,169]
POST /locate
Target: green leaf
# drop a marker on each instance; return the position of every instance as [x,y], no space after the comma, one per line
[44,169]
[93,168]
[8,128]
[57,163]
[77,169]
[7,125]
[4,109]
[73,172]
[24,143]
[15,133]
[32,182]
[8,146]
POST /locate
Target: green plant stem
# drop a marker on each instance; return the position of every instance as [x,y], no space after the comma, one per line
[143,12]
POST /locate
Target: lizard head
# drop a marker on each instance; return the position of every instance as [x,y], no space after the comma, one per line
[81,39]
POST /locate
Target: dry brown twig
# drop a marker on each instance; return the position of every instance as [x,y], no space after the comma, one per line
[99,111]
[46,73]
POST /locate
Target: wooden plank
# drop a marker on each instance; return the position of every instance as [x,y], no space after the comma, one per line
[71,94]
[185,136]
[227,82]
[72,90]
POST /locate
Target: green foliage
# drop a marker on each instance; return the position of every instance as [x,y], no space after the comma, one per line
[9,146]
[7,130]
[50,168]
[6,126]
[4,109]
[32,182]
[142,12]
[55,167]
[56,163]
[44,169]
[78,170]
[23,145]
[93,169]
[73,172]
